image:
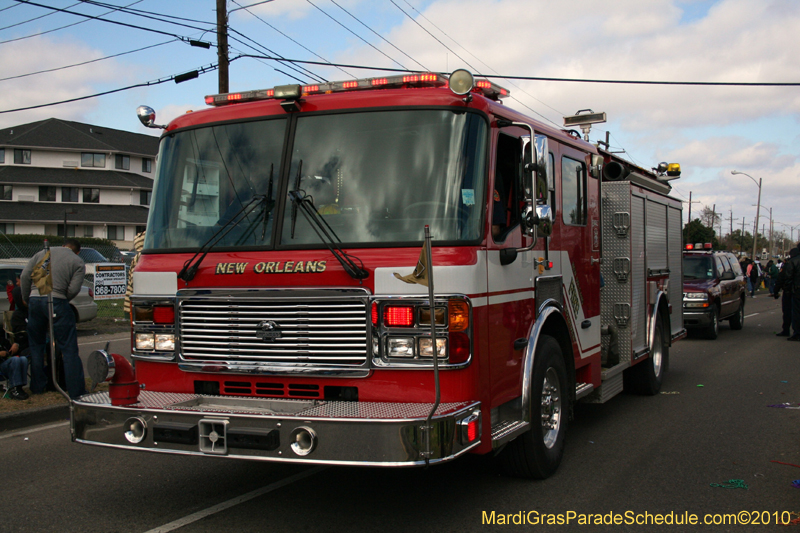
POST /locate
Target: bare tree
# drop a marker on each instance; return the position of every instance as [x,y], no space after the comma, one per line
[709,218]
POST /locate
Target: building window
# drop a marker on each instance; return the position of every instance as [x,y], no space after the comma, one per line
[6,191]
[22,157]
[47,194]
[144,197]
[122,162]
[88,231]
[116,233]
[147,165]
[91,196]
[93,160]
[140,229]
[3,156]
[70,230]
[69,194]
[8,229]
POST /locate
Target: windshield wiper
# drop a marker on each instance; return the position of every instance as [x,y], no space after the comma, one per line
[267,207]
[190,267]
[302,202]
[296,188]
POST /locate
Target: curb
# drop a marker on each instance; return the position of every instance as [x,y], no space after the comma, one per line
[33,417]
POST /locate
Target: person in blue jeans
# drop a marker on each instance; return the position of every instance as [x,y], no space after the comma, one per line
[14,366]
[67,271]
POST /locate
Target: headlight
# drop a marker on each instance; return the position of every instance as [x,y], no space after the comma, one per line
[165,342]
[425,347]
[145,341]
[400,347]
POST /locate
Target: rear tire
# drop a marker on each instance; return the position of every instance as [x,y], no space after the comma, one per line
[537,453]
[737,320]
[712,331]
[646,377]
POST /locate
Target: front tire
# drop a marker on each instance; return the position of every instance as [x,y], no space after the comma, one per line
[537,453]
[737,320]
[712,331]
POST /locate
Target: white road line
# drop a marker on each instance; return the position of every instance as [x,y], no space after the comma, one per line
[199,515]
[33,430]
[754,314]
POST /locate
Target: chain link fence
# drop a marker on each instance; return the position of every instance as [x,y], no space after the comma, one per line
[18,249]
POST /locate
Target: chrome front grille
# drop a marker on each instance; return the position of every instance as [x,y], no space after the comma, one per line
[273,329]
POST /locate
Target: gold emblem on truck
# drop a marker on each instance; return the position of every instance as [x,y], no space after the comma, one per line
[273,267]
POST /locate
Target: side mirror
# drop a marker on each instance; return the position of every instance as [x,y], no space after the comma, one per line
[727,276]
[147,116]
[540,219]
[544,220]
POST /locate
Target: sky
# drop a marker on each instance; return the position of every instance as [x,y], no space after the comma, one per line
[709,130]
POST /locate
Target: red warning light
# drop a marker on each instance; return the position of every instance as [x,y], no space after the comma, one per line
[350,84]
[379,81]
[399,316]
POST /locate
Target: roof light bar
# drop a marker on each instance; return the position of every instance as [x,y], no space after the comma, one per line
[293,92]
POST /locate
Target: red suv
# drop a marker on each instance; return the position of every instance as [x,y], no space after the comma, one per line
[714,289]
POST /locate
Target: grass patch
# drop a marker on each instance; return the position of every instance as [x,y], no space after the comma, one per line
[36,401]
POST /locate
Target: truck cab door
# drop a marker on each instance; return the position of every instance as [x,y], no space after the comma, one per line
[578,219]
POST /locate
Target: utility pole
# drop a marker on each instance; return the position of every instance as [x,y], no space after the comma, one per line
[222,44]
[741,238]
[690,207]
[714,217]
[729,240]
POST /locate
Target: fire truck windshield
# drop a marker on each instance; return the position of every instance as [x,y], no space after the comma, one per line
[374,177]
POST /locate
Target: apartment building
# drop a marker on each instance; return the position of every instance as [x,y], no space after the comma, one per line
[91,181]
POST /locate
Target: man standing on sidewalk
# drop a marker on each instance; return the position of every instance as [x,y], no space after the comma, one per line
[789,280]
[66,271]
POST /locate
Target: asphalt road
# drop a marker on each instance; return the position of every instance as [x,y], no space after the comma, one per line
[712,423]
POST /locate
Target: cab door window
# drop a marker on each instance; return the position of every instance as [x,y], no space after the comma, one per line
[573,191]
[507,182]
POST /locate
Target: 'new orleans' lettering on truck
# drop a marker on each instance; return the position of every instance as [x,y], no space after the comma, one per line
[268,322]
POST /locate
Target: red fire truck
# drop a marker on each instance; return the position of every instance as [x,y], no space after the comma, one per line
[267,319]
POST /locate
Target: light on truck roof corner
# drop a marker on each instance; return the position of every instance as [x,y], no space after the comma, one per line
[668,171]
[461,82]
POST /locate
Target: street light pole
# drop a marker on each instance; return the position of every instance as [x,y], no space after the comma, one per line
[758,210]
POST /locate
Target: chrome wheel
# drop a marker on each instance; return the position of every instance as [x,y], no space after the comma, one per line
[657,353]
[551,407]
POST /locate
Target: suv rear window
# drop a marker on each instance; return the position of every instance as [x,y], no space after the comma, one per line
[698,267]
[737,268]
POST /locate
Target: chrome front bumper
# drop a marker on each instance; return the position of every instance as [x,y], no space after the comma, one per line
[344,433]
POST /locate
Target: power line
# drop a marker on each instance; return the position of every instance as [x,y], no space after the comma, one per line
[540,78]
[35,18]
[279,31]
[476,57]
[357,35]
[429,33]
[201,70]
[92,17]
[160,17]
[296,68]
[86,62]
[486,65]
[9,7]
[379,35]
[54,29]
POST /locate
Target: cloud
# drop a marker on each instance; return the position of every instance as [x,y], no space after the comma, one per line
[731,152]
[737,40]
[23,57]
